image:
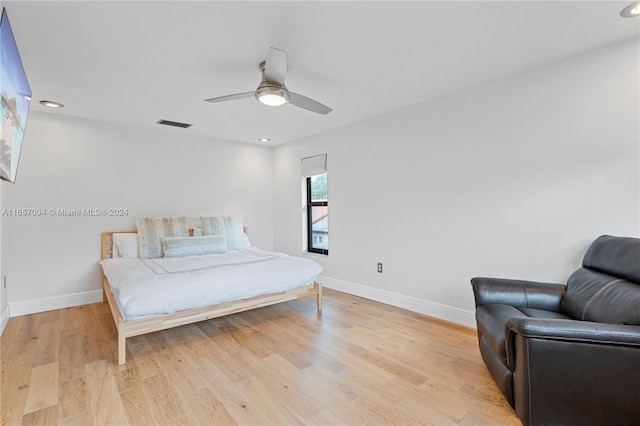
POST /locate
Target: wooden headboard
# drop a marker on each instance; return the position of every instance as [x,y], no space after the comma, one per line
[107,243]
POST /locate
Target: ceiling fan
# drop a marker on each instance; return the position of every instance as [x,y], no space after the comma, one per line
[272,90]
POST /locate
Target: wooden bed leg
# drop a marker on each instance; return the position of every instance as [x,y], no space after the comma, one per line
[122,346]
[319,298]
[104,290]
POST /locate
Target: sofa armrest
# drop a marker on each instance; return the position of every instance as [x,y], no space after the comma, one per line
[574,331]
[518,293]
[574,372]
[571,331]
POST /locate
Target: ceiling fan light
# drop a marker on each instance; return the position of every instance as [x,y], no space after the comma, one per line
[272,99]
[631,11]
[272,95]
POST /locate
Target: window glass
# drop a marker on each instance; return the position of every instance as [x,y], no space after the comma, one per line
[317,214]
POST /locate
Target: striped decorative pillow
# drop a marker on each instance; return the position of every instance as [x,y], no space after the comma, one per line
[228,226]
[151,229]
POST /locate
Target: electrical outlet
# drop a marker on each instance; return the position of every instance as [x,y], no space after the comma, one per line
[380,267]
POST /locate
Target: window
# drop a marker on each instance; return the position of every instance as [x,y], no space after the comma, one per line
[317,214]
[315,200]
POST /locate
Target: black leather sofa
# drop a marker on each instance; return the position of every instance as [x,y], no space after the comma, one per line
[568,354]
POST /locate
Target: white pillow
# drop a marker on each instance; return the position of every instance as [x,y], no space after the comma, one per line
[198,232]
[125,245]
[193,246]
[230,227]
[151,229]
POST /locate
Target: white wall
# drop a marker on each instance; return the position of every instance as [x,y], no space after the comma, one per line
[73,164]
[513,179]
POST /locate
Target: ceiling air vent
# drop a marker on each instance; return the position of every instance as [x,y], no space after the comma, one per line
[174,124]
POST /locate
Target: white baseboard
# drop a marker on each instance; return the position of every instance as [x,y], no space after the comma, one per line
[432,309]
[58,302]
[4,318]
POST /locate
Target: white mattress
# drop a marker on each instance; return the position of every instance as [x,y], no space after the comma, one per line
[149,287]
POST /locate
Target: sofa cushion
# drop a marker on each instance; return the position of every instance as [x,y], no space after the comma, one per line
[539,313]
[617,256]
[492,318]
[599,297]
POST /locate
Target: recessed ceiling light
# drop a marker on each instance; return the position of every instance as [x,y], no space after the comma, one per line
[631,11]
[264,139]
[51,104]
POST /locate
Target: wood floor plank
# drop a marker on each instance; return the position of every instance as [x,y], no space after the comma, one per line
[24,342]
[166,407]
[374,398]
[245,336]
[357,362]
[311,337]
[43,387]
[43,416]
[9,346]
[143,355]
[220,402]
[271,408]
[134,400]
[82,418]
[334,351]
[230,393]
[106,404]
[218,350]
[17,362]
[422,412]
[46,350]
[70,356]
[324,417]
[179,368]
[286,381]
[73,397]
[254,366]
[297,352]
[208,409]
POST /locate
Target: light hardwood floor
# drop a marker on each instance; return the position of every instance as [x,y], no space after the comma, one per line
[359,362]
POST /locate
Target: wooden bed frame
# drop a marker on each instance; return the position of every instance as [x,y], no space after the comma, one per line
[162,322]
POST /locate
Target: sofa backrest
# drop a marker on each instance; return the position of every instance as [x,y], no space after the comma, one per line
[617,256]
[607,287]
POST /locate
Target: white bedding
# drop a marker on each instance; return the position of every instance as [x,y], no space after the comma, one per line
[148,287]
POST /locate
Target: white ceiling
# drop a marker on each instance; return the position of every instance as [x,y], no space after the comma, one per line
[137,62]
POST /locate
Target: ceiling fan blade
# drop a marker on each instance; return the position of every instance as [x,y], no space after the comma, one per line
[275,67]
[308,104]
[231,97]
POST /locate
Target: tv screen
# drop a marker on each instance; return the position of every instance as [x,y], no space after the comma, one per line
[16,98]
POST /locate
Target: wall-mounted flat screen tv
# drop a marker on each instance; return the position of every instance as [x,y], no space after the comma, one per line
[16,98]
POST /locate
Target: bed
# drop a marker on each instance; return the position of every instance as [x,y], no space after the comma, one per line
[148,295]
